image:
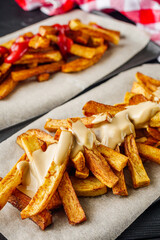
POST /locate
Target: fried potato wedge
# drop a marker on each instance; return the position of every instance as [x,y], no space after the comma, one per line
[145,79]
[79,161]
[57,134]
[120,188]
[80,64]
[52,125]
[136,99]
[93,108]
[6,87]
[20,201]
[83,173]
[155,120]
[83,51]
[39,42]
[117,160]
[127,96]
[70,201]
[40,57]
[45,30]
[22,75]
[140,88]
[89,187]
[42,135]
[11,181]
[137,170]
[55,202]
[45,192]
[99,167]
[107,34]
[4,70]
[154,133]
[43,77]
[149,152]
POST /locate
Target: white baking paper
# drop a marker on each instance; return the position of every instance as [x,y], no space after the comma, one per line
[107,215]
[33,99]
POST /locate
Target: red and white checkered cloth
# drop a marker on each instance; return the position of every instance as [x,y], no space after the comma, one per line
[145,13]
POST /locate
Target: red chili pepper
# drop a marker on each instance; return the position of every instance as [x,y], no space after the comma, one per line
[3,50]
[17,50]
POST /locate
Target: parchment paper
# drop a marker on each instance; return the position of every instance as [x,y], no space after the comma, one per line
[107,215]
[33,99]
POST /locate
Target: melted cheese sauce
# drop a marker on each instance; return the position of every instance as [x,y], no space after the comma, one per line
[125,122]
[38,168]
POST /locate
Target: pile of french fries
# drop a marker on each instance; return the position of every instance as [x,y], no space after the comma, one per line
[92,171]
[66,48]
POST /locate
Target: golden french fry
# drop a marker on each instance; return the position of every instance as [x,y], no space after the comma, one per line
[4,70]
[99,167]
[39,42]
[80,64]
[43,77]
[89,187]
[154,132]
[93,108]
[12,180]
[107,34]
[138,173]
[149,152]
[70,201]
[117,160]
[136,99]
[45,30]
[52,179]
[47,68]
[140,88]
[83,173]
[120,188]
[145,79]
[40,57]
[79,161]
[127,97]
[155,120]
[6,87]
[82,51]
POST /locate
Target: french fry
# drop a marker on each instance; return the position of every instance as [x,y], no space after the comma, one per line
[140,88]
[46,30]
[89,187]
[47,68]
[155,120]
[149,152]
[20,201]
[93,108]
[54,175]
[117,160]
[55,202]
[137,170]
[41,135]
[136,99]
[84,173]
[96,41]
[99,167]
[127,96]
[145,79]
[9,43]
[79,161]
[83,51]
[120,188]
[70,201]
[4,70]
[57,134]
[107,34]
[43,77]
[80,64]
[11,181]
[154,133]
[52,125]
[39,42]
[51,56]
[6,87]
